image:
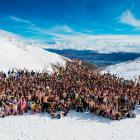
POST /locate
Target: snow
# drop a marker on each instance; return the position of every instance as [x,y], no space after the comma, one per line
[128,70]
[76,126]
[16,52]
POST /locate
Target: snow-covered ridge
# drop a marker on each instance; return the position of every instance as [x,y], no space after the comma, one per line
[16,52]
[128,70]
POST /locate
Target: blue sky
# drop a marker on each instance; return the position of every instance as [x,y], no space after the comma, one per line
[44,18]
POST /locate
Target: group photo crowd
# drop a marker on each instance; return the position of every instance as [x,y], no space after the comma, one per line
[73,87]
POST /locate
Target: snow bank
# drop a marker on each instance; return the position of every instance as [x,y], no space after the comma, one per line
[76,126]
[16,52]
[128,70]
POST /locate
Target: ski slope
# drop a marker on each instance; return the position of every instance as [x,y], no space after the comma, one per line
[16,52]
[76,126]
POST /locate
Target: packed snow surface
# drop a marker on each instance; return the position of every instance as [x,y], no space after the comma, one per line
[76,126]
[16,52]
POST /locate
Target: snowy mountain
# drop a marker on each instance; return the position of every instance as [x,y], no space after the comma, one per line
[16,52]
[128,70]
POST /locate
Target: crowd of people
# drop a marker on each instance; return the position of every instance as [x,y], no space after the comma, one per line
[73,87]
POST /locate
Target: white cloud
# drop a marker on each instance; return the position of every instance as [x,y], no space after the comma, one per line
[61,29]
[129,18]
[29,26]
[20,20]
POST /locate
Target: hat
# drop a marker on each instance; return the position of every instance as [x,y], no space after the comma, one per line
[15,101]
